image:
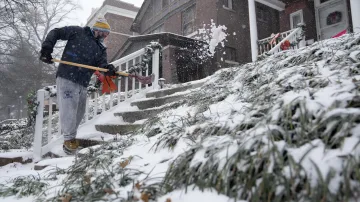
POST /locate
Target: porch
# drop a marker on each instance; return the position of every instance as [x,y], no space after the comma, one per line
[323,19]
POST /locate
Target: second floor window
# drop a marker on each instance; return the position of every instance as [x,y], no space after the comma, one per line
[228,4]
[188,21]
[262,14]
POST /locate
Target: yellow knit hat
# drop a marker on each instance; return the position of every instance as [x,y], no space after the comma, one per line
[101,25]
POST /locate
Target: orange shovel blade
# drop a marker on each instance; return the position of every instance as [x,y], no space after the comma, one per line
[108,85]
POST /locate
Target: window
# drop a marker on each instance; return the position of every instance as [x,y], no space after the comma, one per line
[228,4]
[296,18]
[230,54]
[188,21]
[334,18]
[262,14]
[323,1]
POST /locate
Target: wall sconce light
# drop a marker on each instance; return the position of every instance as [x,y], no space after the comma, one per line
[161,82]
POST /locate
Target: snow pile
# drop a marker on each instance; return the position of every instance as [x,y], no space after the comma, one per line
[213,36]
[286,128]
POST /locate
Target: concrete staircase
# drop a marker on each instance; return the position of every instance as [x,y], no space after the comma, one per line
[154,103]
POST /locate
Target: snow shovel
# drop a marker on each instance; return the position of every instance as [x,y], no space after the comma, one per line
[107,81]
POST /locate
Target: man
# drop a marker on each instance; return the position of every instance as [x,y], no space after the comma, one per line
[85,46]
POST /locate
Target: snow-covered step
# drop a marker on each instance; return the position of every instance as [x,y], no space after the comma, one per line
[58,152]
[147,103]
[170,91]
[121,129]
[133,116]
[15,156]
[62,163]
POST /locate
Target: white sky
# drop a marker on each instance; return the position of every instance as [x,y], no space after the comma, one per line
[80,16]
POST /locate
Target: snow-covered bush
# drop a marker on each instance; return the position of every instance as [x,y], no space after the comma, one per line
[15,134]
[282,129]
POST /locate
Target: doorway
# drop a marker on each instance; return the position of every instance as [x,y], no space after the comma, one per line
[331,18]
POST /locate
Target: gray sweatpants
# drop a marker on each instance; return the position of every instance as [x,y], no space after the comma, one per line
[71,99]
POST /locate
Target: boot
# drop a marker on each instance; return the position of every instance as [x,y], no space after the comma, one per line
[70,146]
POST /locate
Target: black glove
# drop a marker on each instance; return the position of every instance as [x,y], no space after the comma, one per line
[112,70]
[45,56]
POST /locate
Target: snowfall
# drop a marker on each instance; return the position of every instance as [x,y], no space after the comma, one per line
[285,128]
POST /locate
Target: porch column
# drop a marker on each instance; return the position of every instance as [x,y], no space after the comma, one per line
[355,8]
[253,30]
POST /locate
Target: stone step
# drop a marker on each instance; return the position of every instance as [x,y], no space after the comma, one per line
[58,152]
[63,163]
[121,129]
[133,116]
[166,92]
[15,157]
[156,102]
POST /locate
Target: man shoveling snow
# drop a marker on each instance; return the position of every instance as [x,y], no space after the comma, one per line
[84,46]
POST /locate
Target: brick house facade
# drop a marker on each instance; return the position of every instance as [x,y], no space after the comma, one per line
[310,11]
[185,17]
[120,16]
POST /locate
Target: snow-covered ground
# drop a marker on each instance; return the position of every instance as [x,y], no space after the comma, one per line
[286,128]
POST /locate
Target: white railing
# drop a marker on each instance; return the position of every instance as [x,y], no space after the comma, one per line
[294,36]
[93,109]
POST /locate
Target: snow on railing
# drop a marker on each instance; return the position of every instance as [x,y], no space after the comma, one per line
[94,104]
[270,45]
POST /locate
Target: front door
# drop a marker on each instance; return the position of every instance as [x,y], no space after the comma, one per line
[331,17]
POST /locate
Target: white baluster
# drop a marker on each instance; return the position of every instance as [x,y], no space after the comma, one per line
[140,73]
[59,125]
[87,109]
[126,81]
[133,86]
[111,101]
[147,74]
[39,125]
[95,104]
[119,90]
[50,120]
[103,103]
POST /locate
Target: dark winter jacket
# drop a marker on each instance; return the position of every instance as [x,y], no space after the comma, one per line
[81,47]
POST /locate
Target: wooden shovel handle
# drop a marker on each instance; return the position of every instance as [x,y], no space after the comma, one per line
[87,67]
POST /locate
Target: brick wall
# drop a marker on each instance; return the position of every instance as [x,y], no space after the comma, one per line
[308,14]
[237,23]
[169,65]
[115,41]
[173,24]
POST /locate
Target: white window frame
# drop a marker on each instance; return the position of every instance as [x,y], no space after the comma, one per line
[230,3]
[299,12]
[191,21]
[317,2]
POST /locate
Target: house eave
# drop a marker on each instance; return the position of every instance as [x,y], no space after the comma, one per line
[134,27]
[275,4]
